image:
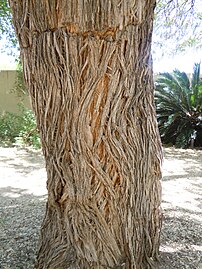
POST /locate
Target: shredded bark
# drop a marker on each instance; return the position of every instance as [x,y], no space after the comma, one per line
[89,72]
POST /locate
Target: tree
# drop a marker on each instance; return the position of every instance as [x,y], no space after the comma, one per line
[89,72]
[179,107]
[177,27]
[6,27]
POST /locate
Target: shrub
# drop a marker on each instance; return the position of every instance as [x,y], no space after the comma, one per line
[179,107]
[19,129]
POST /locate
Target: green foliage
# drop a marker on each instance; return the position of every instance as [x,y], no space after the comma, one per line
[179,107]
[20,89]
[19,129]
[177,26]
[6,27]
[5,17]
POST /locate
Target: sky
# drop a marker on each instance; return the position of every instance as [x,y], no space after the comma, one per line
[183,62]
[7,62]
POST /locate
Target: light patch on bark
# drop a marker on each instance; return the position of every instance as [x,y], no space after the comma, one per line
[88,68]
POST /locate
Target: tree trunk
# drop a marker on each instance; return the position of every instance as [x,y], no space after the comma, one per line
[89,71]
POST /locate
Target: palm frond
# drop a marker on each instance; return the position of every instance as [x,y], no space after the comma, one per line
[196,75]
[179,106]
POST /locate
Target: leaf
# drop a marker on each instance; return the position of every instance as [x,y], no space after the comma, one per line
[178,105]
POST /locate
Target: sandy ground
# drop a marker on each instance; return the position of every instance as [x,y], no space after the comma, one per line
[181,243]
[22,204]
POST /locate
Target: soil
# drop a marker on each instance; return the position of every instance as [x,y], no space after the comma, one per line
[23,196]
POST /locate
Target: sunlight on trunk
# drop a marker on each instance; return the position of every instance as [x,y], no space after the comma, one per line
[89,71]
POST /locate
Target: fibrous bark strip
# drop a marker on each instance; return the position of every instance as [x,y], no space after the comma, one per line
[89,71]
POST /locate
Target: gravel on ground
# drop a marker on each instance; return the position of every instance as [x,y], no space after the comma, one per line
[23,196]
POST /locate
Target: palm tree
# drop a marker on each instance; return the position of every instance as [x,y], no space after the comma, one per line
[179,107]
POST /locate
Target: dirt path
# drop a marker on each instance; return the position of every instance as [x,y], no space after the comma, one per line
[22,205]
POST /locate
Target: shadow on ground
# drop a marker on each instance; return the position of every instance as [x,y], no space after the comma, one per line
[181,239]
[23,196]
[20,220]
[22,206]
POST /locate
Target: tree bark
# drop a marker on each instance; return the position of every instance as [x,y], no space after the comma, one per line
[89,72]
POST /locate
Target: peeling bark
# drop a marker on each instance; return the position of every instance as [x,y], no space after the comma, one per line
[89,72]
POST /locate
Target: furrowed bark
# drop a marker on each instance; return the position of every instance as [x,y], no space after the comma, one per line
[89,71]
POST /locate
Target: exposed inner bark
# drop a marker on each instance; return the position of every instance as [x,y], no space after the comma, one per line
[89,72]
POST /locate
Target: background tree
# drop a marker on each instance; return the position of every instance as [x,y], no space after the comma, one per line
[177,27]
[6,27]
[179,107]
[89,73]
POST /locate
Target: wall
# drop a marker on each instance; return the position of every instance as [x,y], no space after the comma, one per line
[8,100]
